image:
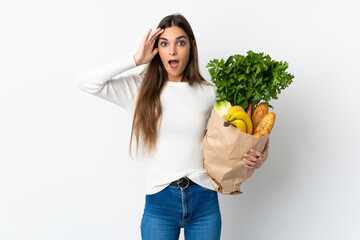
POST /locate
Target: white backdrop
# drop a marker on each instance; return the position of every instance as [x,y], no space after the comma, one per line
[65,172]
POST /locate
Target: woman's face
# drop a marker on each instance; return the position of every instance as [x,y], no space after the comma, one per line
[174,44]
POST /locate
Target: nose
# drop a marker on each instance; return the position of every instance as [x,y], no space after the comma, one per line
[172,50]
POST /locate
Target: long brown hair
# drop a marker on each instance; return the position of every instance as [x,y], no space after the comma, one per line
[148,112]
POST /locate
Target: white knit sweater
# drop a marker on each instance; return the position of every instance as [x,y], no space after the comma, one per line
[185,113]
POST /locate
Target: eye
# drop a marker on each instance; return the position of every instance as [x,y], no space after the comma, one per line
[181,43]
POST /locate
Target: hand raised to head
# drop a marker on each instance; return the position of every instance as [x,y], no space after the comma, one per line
[145,52]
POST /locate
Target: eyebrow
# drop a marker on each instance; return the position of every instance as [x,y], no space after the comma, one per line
[176,38]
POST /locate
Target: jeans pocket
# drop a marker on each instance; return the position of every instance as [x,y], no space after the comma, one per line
[157,193]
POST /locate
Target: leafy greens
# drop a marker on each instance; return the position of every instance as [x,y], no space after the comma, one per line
[249,79]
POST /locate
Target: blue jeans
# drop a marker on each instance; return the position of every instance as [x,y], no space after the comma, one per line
[195,208]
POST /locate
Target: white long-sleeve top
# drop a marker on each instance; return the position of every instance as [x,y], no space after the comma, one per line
[185,113]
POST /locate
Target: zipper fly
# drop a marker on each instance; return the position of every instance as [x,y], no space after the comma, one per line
[185,204]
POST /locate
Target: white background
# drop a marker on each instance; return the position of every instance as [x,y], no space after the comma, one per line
[65,172]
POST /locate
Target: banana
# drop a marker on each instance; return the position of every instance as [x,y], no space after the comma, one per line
[242,115]
[233,109]
[240,124]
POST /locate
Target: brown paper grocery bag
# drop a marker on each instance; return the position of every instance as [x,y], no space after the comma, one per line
[223,149]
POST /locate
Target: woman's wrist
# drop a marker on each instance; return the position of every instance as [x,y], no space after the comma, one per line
[136,60]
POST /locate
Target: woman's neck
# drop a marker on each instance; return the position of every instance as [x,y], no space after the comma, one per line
[175,79]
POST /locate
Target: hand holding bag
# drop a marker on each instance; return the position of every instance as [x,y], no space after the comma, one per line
[223,148]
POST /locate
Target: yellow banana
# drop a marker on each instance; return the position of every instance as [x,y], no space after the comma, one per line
[240,124]
[242,115]
[233,109]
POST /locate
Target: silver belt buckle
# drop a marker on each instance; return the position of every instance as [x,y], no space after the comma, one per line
[180,181]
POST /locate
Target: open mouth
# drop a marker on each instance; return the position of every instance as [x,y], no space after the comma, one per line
[174,64]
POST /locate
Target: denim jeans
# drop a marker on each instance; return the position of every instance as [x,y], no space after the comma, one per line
[195,208]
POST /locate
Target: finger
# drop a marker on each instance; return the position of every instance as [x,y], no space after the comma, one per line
[152,36]
[257,153]
[152,41]
[157,30]
[250,158]
[256,165]
[145,37]
[250,167]
[156,50]
[147,34]
[157,34]
[249,163]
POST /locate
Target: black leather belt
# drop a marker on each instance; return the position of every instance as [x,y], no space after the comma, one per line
[183,182]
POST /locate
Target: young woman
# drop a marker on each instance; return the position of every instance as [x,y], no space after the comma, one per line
[170,103]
